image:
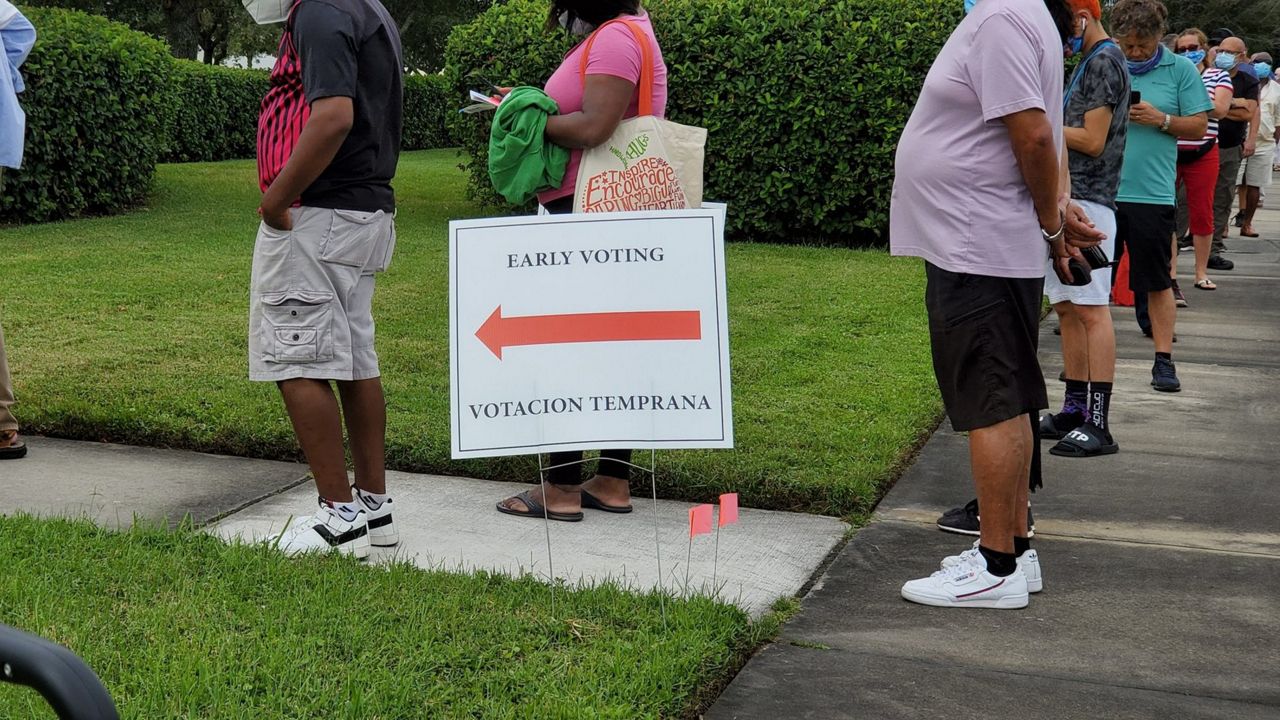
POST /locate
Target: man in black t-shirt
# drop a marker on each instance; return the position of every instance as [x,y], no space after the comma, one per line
[328,145]
[1231,55]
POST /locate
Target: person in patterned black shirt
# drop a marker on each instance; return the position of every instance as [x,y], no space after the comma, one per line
[1096,123]
[328,146]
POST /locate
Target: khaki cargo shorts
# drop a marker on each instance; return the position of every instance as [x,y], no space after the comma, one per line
[311,295]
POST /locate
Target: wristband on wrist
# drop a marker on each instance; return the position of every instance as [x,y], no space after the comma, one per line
[1062,229]
[1168,120]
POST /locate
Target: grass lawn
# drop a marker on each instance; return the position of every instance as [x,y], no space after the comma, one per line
[179,625]
[132,329]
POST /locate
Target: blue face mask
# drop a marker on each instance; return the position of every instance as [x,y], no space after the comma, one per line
[1195,56]
[1073,45]
[1145,66]
[968,6]
[1263,70]
[1224,60]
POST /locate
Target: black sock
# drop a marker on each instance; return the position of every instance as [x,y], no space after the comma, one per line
[998,563]
[1100,404]
[1076,401]
[1164,356]
[1021,545]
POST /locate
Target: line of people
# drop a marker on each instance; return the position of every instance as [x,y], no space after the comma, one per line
[996,153]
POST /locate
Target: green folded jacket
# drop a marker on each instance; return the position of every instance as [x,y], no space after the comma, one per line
[521,161]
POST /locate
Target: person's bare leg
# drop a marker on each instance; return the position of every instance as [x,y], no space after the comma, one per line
[317,422]
[1163,316]
[1204,247]
[1100,336]
[609,490]
[1252,196]
[1000,456]
[364,407]
[1075,347]
[1173,263]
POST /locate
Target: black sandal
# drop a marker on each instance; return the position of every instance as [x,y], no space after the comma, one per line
[13,448]
[1085,441]
[535,509]
[1049,429]
[594,503]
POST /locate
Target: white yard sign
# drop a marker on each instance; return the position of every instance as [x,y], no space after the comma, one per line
[589,332]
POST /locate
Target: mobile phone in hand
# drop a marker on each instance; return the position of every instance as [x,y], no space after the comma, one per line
[1135,97]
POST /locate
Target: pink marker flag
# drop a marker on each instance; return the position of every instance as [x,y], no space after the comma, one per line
[699,520]
[728,509]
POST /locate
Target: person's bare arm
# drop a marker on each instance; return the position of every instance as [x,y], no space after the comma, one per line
[1242,109]
[1092,138]
[604,102]
[1221,103]
[1043,170]
[1188,127]
[1251,142]
[327,128]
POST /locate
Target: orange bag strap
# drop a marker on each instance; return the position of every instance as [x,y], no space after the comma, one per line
[646,62]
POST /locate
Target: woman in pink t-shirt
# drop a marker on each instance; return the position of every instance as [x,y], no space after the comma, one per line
[590,112]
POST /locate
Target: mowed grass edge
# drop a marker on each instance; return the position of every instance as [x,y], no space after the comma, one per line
[132,329]
[180,625]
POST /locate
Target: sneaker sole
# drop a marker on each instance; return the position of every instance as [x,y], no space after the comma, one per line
[1008,602]
[1167,389]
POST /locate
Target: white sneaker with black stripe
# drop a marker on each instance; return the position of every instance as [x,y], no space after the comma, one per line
[382,529]
[328,531]
[969,584]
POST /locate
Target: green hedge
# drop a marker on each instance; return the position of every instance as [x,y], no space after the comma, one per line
[214,112]
[427,107]
[95,105]
[804,100]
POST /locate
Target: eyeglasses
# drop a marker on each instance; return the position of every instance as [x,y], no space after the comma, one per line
[1188,48]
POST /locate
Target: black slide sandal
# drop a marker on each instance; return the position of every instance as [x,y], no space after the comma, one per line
[592,502]
[14,448]
[534,509]
[1083,442]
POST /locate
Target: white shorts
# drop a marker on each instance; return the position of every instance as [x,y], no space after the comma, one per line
[1097,292]
[311,295]
[1255,171]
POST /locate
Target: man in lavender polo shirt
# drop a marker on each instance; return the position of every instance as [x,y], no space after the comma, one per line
[981,195]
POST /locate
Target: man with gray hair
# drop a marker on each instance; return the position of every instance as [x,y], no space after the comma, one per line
[1236,141]
[1256,171]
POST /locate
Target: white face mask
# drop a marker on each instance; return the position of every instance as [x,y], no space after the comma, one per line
[268,12]
[580,26]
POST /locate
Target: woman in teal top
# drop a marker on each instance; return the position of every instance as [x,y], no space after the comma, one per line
[1172,104]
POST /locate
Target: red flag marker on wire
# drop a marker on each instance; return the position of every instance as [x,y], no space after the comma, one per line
[699,520]
[728,509]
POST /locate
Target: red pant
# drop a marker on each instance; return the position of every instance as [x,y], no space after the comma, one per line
[1200,178]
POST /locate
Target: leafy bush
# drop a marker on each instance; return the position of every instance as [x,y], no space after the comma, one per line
[95,102]
[214,112]
[804,100]
[427,105]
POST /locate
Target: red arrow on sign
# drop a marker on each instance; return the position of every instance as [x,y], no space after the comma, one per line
[500,332]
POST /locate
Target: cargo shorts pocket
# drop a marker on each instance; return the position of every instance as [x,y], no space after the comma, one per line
[353,237]
[298,326]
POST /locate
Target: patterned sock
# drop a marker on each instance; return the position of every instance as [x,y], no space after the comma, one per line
[1076,401]
[373,500]
[346,510]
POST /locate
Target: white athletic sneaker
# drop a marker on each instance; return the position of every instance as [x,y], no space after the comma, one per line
[1029,564]
[968,584]
[382,531]
[326,531]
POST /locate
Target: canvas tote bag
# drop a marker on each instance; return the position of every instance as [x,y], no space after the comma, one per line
[649,163]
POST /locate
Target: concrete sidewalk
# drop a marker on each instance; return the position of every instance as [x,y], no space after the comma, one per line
[444,522]
[1162,563]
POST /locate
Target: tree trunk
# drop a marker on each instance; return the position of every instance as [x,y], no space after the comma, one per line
[183,27]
